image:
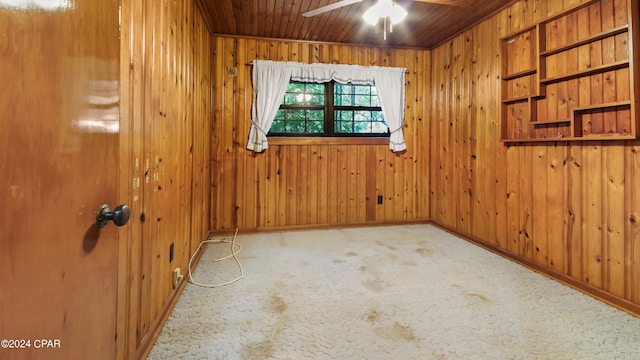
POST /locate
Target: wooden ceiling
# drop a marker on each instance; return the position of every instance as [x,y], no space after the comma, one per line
[429,22]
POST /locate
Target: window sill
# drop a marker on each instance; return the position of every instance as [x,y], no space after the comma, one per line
[282,140]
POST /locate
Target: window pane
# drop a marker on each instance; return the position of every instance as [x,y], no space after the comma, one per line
[316,115]
[315,89]
[344,115]
[295,87]
[380,128]
[295,114]
[294,127]
[343,127]
[363,90]
[304,94]
[303,110]
[362,100]
[360,122]
[315,127]
[277,126]
[344,100]
[316,100]
[362,116]
[340,89]
[362,127]
[290,99]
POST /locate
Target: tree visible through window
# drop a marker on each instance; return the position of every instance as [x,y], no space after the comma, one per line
[329,109]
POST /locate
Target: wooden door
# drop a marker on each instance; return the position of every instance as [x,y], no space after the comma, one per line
[59,121]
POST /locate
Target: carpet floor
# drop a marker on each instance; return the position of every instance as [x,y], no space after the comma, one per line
[398,292]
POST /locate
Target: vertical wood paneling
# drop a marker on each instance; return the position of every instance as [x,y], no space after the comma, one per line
[166,77]
[314,184]
[571,208]
[632,225]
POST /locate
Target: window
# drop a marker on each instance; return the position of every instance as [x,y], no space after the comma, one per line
[329,109]
[271,79]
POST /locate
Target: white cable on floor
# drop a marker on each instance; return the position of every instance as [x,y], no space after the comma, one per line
[233,254]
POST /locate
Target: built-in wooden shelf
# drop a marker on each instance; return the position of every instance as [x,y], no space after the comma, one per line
[516,99]
[524,30]
[519,74]
[603,106]
[547,122]
[530,97]
[587,72]
[599,36]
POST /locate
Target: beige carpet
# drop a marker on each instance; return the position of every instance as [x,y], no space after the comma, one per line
[401,292]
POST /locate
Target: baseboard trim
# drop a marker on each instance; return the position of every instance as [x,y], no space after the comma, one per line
[596,293]
[271,229]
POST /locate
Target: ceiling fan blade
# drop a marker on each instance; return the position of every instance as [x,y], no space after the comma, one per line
[459,3]
[330,7]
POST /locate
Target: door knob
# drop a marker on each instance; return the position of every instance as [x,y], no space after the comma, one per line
[119,216]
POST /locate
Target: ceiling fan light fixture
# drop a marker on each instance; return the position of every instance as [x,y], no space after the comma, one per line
[397,13]
[383,9]
[371,16]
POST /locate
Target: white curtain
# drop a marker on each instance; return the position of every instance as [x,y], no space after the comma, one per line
[390,86]
[270,81]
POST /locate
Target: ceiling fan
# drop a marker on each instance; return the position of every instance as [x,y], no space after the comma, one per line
[343,3]
[385,10]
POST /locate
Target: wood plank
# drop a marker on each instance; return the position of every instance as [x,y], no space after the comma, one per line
[361,184]
[541,204]
[422,133]
[371,190]
[242,170]
[512,213]
[595,26]
[246,53]
[632,225]
[308,185]
[609,125]
[575,212]
[381,182]
[299,213]
[614,219]
[557,207]
[323,187]
[465,107]
[592,227]
[332,194]
[282,185]
[584,61]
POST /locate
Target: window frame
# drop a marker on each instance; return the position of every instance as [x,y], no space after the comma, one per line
[329,118]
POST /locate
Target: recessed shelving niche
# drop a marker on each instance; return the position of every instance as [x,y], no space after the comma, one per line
[571,77]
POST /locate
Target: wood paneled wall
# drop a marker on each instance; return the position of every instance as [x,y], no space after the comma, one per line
[572,209]
[165,153]
[314,183]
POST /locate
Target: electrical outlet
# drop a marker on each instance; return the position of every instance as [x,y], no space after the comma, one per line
[177,277]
